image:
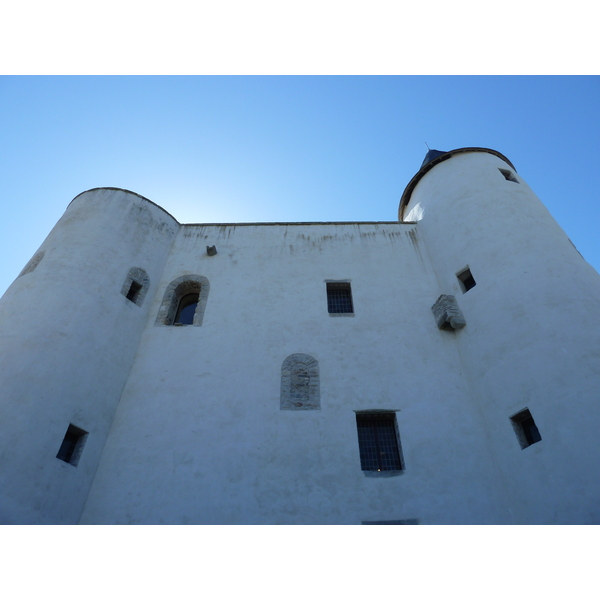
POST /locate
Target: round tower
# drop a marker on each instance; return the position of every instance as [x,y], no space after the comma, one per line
[69,330]
[531,305]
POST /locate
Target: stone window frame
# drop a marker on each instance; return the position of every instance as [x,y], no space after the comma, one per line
[139,276]
[34,261]
[186,284]
[300,383]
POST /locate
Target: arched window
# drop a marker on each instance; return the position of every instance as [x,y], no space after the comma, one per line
[300,383]
[184,301]
[136,285]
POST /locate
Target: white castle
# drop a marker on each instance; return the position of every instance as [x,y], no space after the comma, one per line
[439,369]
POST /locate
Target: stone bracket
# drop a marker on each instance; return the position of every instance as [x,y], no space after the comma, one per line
[447,314]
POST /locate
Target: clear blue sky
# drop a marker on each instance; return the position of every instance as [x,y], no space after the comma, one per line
[244,149]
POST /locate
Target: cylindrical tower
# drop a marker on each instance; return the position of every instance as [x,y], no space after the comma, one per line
[69,330]
[530,347]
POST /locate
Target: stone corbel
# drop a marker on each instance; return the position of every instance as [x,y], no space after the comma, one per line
[447,314]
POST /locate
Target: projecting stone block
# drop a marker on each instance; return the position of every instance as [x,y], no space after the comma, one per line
[447,314]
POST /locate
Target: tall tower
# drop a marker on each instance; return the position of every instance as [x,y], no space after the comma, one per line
[530,347]
[69,329]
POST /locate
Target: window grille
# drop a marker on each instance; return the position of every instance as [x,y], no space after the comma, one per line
[378,442]
[339,298]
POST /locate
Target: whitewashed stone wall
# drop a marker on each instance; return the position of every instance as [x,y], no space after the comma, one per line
[249,415]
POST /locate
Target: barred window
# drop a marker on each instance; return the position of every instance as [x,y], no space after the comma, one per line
[378,442]
[339,297]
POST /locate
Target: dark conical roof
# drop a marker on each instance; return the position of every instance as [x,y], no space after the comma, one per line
[431,155]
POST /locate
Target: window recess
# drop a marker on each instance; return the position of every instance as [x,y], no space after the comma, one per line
[72,445]
[525,429]
[379,442]
[466,280]
[339,298]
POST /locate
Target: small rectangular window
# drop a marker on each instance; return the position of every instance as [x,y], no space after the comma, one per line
[525,428]
[378,442]
[72,445]
[134,291]
[466,280]
[339,298]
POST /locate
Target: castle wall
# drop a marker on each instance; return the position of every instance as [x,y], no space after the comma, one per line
[248,414]
[200,437]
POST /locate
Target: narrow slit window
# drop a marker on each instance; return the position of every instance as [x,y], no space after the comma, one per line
[72,445]
[339,298]
[508,175]
[378,442]
[525,428]
[466,280]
